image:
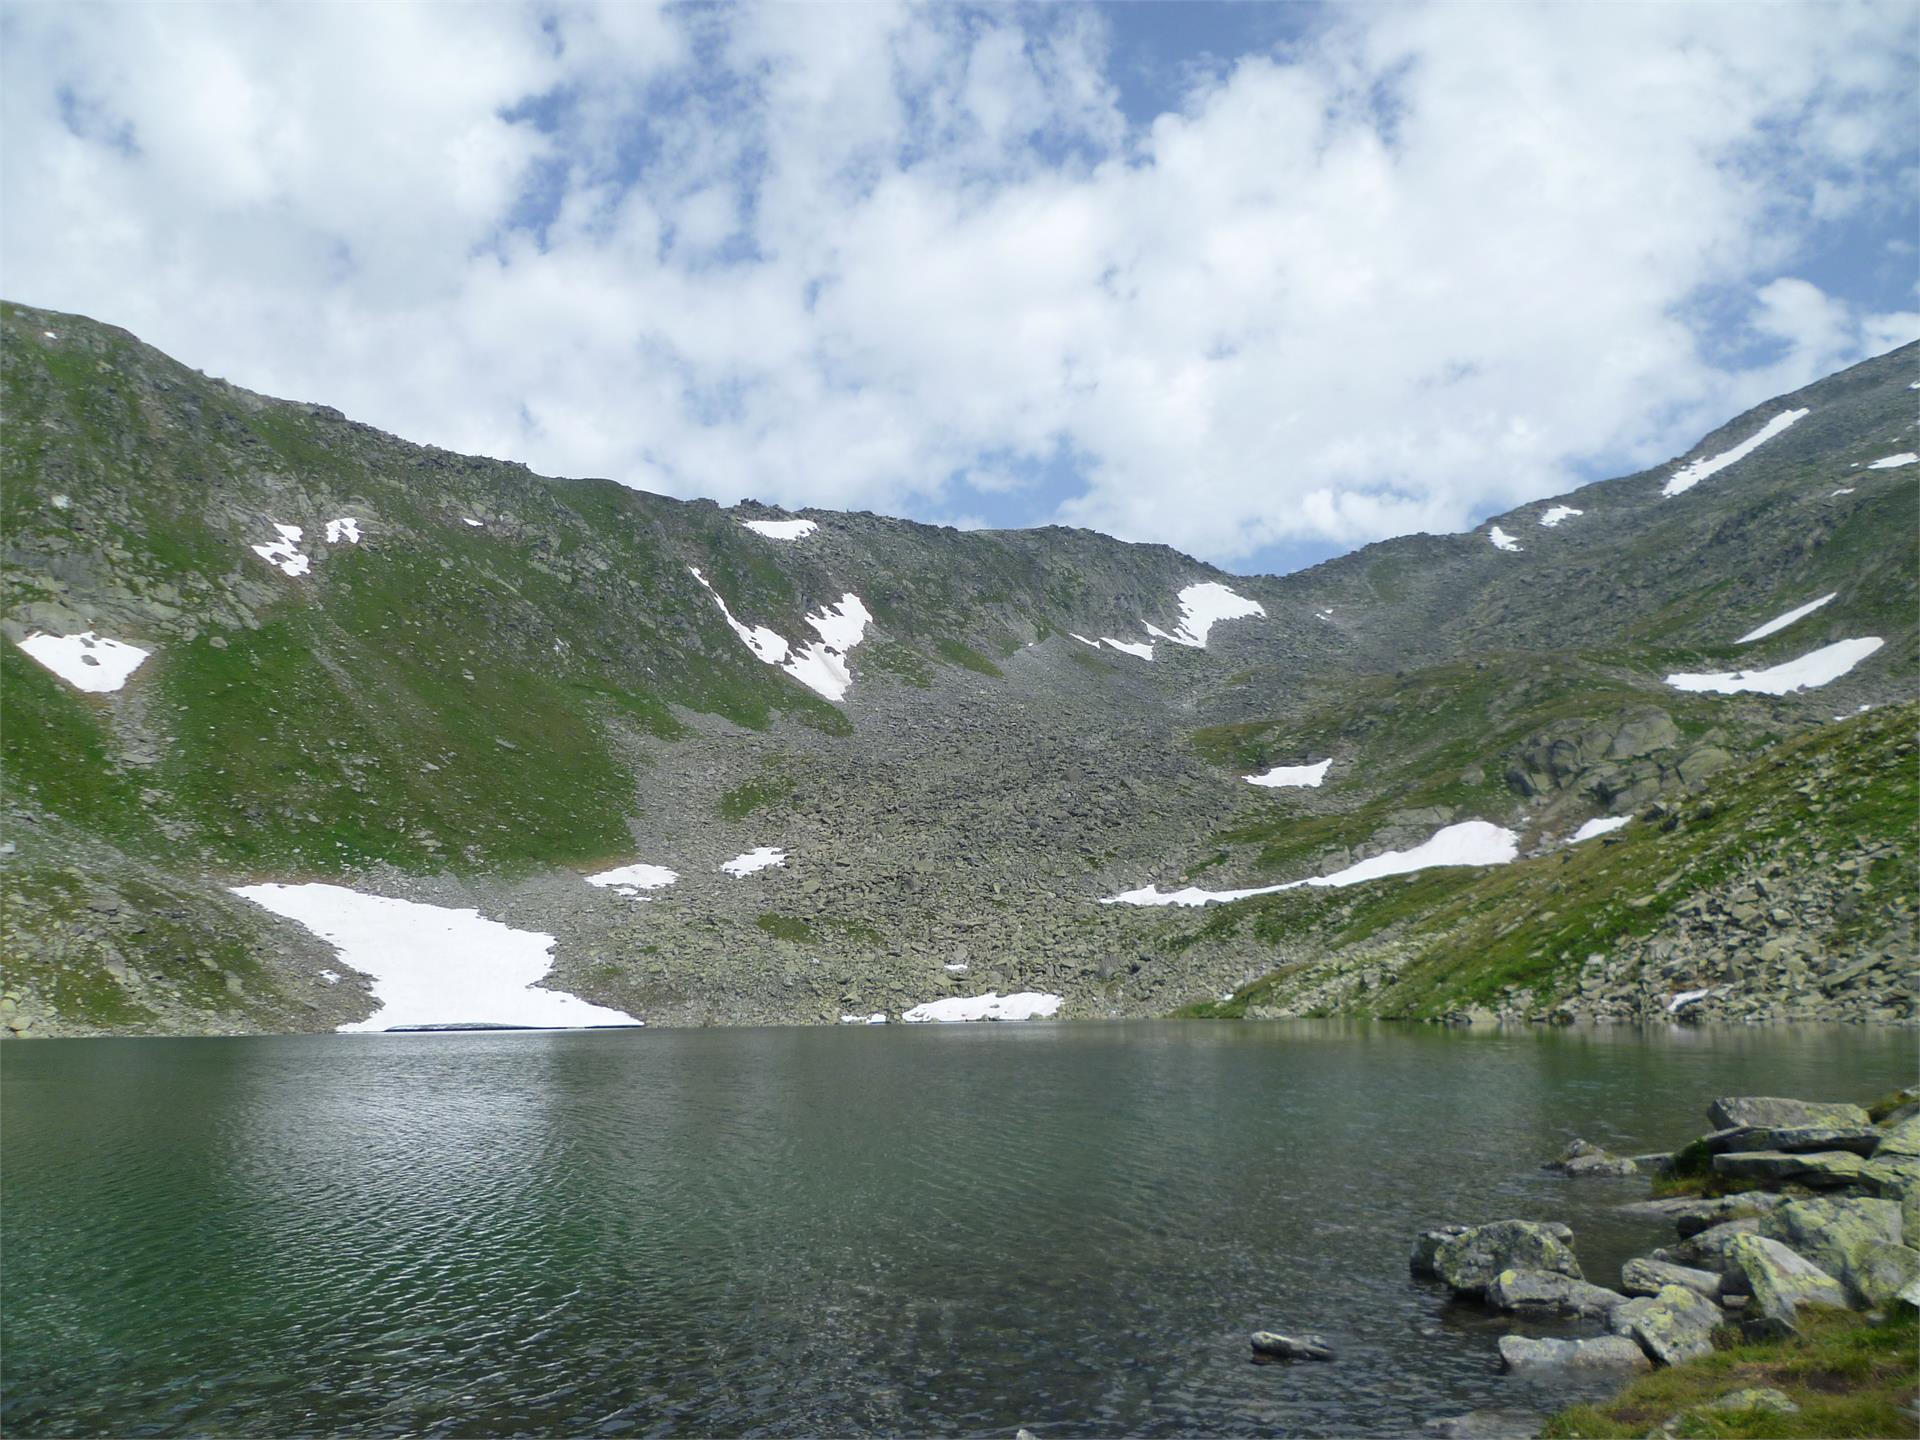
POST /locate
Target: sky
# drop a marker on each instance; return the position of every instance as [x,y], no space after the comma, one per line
[1263,282]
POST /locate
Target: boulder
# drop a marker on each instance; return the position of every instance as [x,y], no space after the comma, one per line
[1691,1214]
[1824,1169]
[1708,1249]
[1543,1292]
[1472,1260]
[1769,1111]
[1781,1284]
[1583,1157]
[1880,1272]
[1608,1352]
[1796,1139]
[1899,1140]
[1427,1244]
[1273,1346]
[1833,1232]
[1650,1277]
[1673,1325]
[1765,1399]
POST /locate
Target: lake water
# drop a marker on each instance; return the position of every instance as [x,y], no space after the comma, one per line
[946,1230]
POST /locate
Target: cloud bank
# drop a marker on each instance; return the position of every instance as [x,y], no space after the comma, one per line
[1411,266]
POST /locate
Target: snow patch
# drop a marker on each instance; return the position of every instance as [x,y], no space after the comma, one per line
[330,977]
[1472,842]
[1843,490]
[86,661]
[345,528]
[1593,829]
[1809,672]
[1283,776]
[1686,997]
[60,502]
[1142,648]
[1027,1005]
[955,967]
[1503,541]
[630,880]
[469,520]
[285,552]
[432,964]
[767,857]
[1780,622]
[1558,513]
[1685,479]
[1894,462]
[821,666]
[879,1017]
[49,335]
[1094,644]
[1201,608]
[781,529]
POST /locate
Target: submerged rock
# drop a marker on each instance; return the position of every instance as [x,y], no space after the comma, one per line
[1781,1283]
[1470,1261]
[1484,1425]
[1583,1157]
[1543,1292]
[1673,1325]
[1273,1346]
[1608,1352]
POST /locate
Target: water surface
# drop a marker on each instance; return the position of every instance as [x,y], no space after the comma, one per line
[949,1230]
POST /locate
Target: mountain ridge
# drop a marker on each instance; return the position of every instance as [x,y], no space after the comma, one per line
[507,680]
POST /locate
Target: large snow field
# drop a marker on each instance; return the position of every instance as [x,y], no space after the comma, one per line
[1685,479]
[1201,608]
[781,529]
[434,965]
[1780,622]
[1027,1005]
[1809,672]
[1471,842]
[86,661]
[1282,776]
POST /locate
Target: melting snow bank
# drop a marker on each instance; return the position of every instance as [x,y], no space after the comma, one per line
[345,528]
[630,880]
[1593,829]
[1309,776]
[879,1017]
[781,529]
[1558,513]
[1894,462]
[1503,541]
[1201,608]
[1472,842]
[1684,480]
[822,665]
[1780,622]
[1809,672]
[86,661]
[765,858]
[1027,1005]
[432,965]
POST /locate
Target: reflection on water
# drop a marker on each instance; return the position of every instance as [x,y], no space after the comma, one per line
[955,1230]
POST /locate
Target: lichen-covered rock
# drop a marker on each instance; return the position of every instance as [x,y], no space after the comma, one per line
[1834,1232]
[1707,1250]
[1542,1292]
[1900,1140]
[1797,1139]
[1672,1325]
[1764,1398]
[1608,1352]
[1583,1157]
[1470,1261]
[1648,1277]
[1427,1244]
[1824,1169]
[1768,1111]
[1880,1272]
[1780,1282]
[1692,1214]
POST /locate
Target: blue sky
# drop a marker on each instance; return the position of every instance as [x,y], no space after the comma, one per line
[1264,282]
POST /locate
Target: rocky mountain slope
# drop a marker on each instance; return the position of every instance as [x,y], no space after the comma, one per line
[467,685]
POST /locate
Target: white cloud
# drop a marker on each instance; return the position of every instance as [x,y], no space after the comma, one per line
[1416,268]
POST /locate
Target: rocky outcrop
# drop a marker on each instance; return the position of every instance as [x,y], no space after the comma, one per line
[1641,1276]
[1780,1282]
[1472,1259]
[1675,1323]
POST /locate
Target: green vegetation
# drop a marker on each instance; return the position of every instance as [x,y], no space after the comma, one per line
[1847,1375]
[964,655]
[810,931]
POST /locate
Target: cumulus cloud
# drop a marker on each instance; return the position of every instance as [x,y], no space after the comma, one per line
[1420,264]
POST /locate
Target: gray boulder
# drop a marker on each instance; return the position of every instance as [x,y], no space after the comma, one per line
[1673,1325]
[1766,1399]
[1649,1277]
[1271,1345]
[1835,1233]
[1780,1283]
[1608,1352]
[1770,1111]
[1690,1214]
[1583,1157]
[1824,1169]
[1796,1139]
[1881,1272]
[1543,1292]
[1899,1140]
[1427,1244]
[1707,1250]
[1470,1261]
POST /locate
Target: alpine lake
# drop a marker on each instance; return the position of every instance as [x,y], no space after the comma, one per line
[948,1230]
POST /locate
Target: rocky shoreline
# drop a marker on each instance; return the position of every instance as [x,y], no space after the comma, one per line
[1786,1209]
